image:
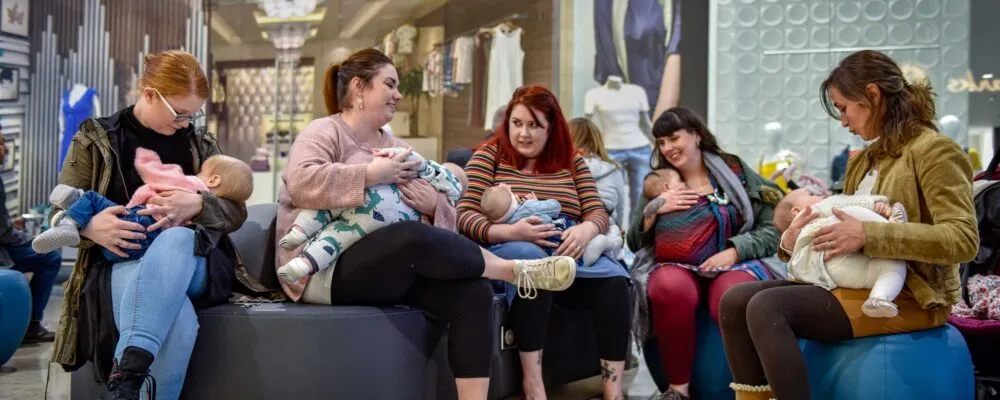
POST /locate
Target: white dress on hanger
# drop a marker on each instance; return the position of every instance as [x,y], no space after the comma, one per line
[506,70]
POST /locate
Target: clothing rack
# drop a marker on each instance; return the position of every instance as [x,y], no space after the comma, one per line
[512,17]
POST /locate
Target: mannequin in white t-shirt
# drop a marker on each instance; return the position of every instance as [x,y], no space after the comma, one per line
[621,111]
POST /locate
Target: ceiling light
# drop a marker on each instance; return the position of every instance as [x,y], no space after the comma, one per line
[287,8]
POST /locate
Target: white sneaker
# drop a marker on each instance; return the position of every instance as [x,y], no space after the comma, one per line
[550,273]
[295,270]
[293,239]
[877,307]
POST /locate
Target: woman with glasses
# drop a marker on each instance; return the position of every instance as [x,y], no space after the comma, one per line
[135,320]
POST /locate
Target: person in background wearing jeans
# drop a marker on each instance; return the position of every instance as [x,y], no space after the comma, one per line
[43,266]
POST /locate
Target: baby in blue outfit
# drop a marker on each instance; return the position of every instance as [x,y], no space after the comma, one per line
[501,205]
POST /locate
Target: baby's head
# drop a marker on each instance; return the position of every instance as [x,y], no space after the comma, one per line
[459,173]
[498,202]
[789,207]
[227,177]
[661,180]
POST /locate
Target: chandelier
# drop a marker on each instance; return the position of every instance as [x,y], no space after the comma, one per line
[289,36]
[287,8]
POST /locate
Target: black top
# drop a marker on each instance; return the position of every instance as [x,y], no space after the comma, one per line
[9,236]
[173,149]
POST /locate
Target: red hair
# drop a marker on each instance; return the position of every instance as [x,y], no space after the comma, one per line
[559,151]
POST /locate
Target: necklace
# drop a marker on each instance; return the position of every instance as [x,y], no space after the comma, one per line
[718,198]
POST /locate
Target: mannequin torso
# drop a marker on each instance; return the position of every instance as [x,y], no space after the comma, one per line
[621,111]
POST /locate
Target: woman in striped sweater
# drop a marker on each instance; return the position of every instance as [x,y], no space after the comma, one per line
[532,153]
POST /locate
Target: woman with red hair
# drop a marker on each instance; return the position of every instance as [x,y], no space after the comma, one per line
[532,153]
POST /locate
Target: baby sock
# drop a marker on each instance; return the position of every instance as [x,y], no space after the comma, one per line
[293,239]
[898,214]
[63,196]
[64,233]
[295,270]
[595,248]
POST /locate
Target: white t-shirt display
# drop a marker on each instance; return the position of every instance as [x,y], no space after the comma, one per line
[621,114]
[506,70]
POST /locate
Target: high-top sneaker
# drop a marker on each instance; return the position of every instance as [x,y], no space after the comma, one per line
[130,373]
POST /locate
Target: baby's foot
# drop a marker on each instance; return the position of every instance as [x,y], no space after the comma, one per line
[64,234]
[597,246]
[295,270]
[898,214]
[877,307]
[293,239]
[63,196]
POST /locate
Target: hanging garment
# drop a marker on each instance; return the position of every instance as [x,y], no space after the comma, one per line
[433,73]
[477,112]
[448,72]
[633,39]
[463,54]
[73,115]
[506,72]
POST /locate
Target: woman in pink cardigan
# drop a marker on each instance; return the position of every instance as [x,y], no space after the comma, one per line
[425,263]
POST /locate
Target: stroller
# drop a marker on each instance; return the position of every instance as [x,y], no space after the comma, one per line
[983,336]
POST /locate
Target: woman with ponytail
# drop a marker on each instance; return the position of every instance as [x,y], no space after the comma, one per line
[908,162]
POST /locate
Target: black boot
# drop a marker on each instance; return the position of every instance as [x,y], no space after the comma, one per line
[129,373]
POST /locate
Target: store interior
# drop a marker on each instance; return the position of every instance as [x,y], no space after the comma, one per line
[751,69]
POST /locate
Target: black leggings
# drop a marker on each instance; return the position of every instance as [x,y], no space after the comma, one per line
[761,323]
[606,298]
[431,268]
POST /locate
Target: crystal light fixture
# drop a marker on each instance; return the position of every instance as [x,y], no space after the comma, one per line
[287,8]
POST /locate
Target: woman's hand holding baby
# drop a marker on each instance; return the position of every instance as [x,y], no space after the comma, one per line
[529,229]
[384,169]
[109,231]
[575,239]
[846,236]
[795,228]
[420,195]
[174,207]
[677,200]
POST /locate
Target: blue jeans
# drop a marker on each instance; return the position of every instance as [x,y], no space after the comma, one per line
[92,203]
[635,162]
[44,269]
[152,306]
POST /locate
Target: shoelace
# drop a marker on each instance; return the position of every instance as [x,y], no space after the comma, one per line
[526,288]
[118,378]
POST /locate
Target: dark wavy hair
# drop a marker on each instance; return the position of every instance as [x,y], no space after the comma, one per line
[363,65]
[680,118]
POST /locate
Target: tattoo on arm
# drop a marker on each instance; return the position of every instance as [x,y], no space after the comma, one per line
[608,374]
[651,208]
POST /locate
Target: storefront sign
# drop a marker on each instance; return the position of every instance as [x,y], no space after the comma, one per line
[971,85]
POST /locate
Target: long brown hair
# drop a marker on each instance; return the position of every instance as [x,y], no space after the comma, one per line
[902,110]
[363,65]
[558,152]
[587,138]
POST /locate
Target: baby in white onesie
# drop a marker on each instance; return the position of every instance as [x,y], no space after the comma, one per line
[884,277]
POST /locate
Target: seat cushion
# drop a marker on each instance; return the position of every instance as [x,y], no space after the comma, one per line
[284,350]
[15,311]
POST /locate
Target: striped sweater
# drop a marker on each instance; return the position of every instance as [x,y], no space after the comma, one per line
[576,191]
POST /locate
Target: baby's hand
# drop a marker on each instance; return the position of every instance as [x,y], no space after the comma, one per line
[382,152]
[531,196]
[883,209]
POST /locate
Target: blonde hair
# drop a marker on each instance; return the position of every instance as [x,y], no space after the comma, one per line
[495,202]
[173,73]
[783,214]
[237,178]
[587,137]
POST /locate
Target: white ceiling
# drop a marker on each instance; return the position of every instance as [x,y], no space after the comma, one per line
[237,17]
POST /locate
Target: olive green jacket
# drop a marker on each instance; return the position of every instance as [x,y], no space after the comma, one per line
[933,179]
[89,164]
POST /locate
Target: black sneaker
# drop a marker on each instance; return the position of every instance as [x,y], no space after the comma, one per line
[37,333]
[130,373]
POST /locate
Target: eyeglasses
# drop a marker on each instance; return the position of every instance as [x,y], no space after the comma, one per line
[178,117]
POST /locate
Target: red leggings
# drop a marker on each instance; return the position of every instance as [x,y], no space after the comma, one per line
[674,296]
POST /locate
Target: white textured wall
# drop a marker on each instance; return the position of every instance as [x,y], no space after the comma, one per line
[770,57]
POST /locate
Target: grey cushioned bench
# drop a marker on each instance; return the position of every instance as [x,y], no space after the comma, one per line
[298,351]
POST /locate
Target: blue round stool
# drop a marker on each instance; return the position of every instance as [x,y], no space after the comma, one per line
[931,364]
[15,311]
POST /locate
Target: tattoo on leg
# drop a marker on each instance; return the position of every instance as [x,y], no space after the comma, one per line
[540,352]
[651,208]
[607,373]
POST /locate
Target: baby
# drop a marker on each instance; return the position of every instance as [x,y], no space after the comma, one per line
[225,176]
[884,277]
[500,205]
[657,182]
[333,231]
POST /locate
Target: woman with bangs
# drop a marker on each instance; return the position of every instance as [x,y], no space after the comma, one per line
[532,153]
